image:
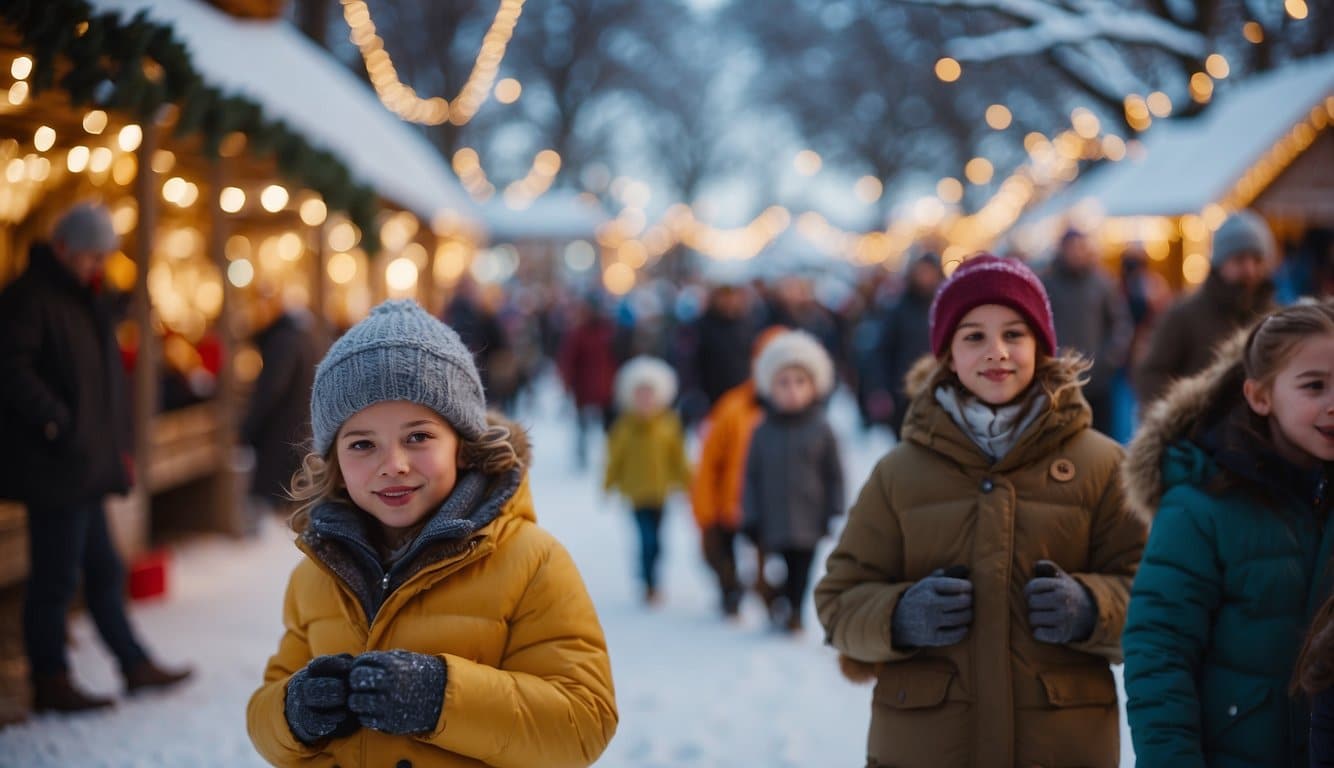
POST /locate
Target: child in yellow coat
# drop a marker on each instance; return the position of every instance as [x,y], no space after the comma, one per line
[432,623]
[646,455]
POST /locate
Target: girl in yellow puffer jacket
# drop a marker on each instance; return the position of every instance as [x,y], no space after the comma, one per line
[432,623]
[646,455]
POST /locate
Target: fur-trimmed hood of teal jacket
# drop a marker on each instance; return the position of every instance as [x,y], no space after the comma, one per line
[1235,566]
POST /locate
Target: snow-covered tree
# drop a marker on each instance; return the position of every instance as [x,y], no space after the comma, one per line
[856,78]
[1112,49]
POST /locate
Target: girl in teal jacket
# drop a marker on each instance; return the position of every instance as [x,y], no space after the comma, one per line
[1233,466]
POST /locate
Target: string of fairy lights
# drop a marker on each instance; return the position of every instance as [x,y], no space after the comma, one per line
[401,98]
[629,242]
[518,194]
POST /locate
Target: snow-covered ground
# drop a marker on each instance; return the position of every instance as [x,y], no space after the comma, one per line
[692,689]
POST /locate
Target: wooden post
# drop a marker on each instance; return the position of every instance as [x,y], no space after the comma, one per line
[227,508]
[146,188]
[319,282]
[375,276]
[427,291]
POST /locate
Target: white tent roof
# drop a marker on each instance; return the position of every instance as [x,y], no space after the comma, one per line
[1187,163]
[295,80]
[560,214]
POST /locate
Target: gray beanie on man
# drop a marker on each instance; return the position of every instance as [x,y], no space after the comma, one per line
[1243,231]
[399,352]
[86,228]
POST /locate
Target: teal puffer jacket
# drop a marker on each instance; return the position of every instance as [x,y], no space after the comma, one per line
[1222,600]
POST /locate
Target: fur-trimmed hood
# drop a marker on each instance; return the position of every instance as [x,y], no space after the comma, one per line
[1169,419]
[797,348]
[642,371]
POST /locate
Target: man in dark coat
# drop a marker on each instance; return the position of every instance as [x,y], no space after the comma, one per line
[483,334]
[724,337]
[1092,318]
[65,414]
[904,338]
[276,423]
[1237,292]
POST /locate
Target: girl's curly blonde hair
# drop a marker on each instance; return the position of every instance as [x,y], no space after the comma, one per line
[320,479]
[1054,375]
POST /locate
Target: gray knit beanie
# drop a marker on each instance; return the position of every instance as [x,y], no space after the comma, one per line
[399,352]
[86,227]
[1243,231]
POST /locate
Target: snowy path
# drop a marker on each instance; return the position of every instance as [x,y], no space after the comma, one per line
[692,689]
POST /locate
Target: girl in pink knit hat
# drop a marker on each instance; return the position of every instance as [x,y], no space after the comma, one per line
[983,573]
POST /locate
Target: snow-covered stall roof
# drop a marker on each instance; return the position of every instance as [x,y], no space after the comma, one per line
[294,79]
[1188,163]
[560,214]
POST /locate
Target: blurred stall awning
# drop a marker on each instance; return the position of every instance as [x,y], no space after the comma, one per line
[296,81]
[559,214]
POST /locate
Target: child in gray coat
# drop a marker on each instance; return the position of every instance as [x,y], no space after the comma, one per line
[794,480]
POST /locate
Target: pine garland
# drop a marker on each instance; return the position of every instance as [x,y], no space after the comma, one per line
[137,65]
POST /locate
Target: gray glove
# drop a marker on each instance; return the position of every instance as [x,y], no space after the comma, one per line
[397,692]
[934,612]
[1060,609]
[316,705]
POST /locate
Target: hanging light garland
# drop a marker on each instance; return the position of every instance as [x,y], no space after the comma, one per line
[518,194]
[401,99]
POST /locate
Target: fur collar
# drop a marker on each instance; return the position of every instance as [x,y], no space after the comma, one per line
[1169,420]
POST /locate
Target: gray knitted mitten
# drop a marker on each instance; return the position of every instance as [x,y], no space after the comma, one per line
[397,692]
[1060,609]
[934,612]
[316,704]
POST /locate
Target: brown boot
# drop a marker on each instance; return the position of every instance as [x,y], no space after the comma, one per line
[146,676]
[57,694]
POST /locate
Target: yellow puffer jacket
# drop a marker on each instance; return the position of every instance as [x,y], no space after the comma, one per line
[528,676]
[646,458]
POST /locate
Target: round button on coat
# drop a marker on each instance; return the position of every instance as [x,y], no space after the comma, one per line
[987,485]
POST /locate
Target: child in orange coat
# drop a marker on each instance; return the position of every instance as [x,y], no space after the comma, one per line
[715,495]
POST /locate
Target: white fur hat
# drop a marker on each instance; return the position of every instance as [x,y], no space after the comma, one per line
[645,371]
[794,348]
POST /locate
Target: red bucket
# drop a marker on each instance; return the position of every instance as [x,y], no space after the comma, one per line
[148,575]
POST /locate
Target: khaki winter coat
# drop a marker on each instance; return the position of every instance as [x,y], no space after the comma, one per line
[1000,698]
[528,677]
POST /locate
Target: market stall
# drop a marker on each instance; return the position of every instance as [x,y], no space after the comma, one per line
[238,159]
[1264,144]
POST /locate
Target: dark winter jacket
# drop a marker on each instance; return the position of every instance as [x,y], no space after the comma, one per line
[1322,729]
[277,419]
[64,408]
[1182,343]
[794,481]
[722,354]
[1091,317]
[904,338]
[485,337]
[1234,569]
[1000,698]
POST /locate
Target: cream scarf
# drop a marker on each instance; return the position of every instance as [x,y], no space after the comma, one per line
[994,430]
